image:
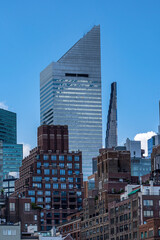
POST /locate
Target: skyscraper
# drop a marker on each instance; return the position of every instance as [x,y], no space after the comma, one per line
[111,132]
[8,126]
[70,94]
[11,153]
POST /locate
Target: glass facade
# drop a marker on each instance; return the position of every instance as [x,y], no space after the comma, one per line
[70,94]
[8,132]
[12,155]
[140,166]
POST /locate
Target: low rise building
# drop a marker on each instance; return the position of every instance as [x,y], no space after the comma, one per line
[150,230]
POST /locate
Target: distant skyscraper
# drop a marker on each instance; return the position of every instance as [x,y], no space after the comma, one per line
[8,128]
[154,140]
[11,153]
[111,132]
[70,94]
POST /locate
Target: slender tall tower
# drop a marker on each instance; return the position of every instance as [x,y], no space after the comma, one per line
[111,132]
[70,94]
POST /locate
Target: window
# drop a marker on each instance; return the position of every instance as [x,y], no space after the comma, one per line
[35,217]
[148,202]
[61,157]
[27,207]
[45,157]
[38,164]
[46,179]
[47,185]
[53,157]
[55,185]
[77,172]
[33,199]
[63,186]
[70,179]
[70,172]
[62,172]
[37,179]
[54,165]
[62,179]
[9,232]
[54,171]
[76,158]
[47,193]
[76,165]
[69,158]
[70,186]
[145,234]
[148,213]
[38,185]
[158,232]
[48,206]
[79,194]
[48,200]
[39,192]
[147,192]
[46,164]
[31,192]
[12,207]
[38,171]
[61,165]
[55,179]
[69,165]
[38,157]
[46,171]
[150,233]
[40,199]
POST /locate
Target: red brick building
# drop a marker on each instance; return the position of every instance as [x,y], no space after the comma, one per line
[72,226]
[51,176]
[150,230]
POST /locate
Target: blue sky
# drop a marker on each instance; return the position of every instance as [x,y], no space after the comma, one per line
[35,33]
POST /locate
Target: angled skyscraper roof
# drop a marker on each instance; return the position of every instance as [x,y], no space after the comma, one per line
[70,94]
[111,131]
[85,51]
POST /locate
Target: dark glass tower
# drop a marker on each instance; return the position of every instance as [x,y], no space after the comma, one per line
[8,128]
[111,132]
[11,153]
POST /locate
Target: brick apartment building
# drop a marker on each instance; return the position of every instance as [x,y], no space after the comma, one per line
[18,209]
[51,177]
[72,226]
[150,230]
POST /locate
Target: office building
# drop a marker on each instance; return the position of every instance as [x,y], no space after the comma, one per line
[8,127]
[11,153]
[154,140]
[134,147]
[140,166]
[111,131]
[51,176]
[70,94]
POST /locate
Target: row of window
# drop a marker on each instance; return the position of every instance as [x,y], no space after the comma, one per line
[48,193]
[55,157]
[56,185]
[27,207]
[55,172]
[61,165]
[55,179]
